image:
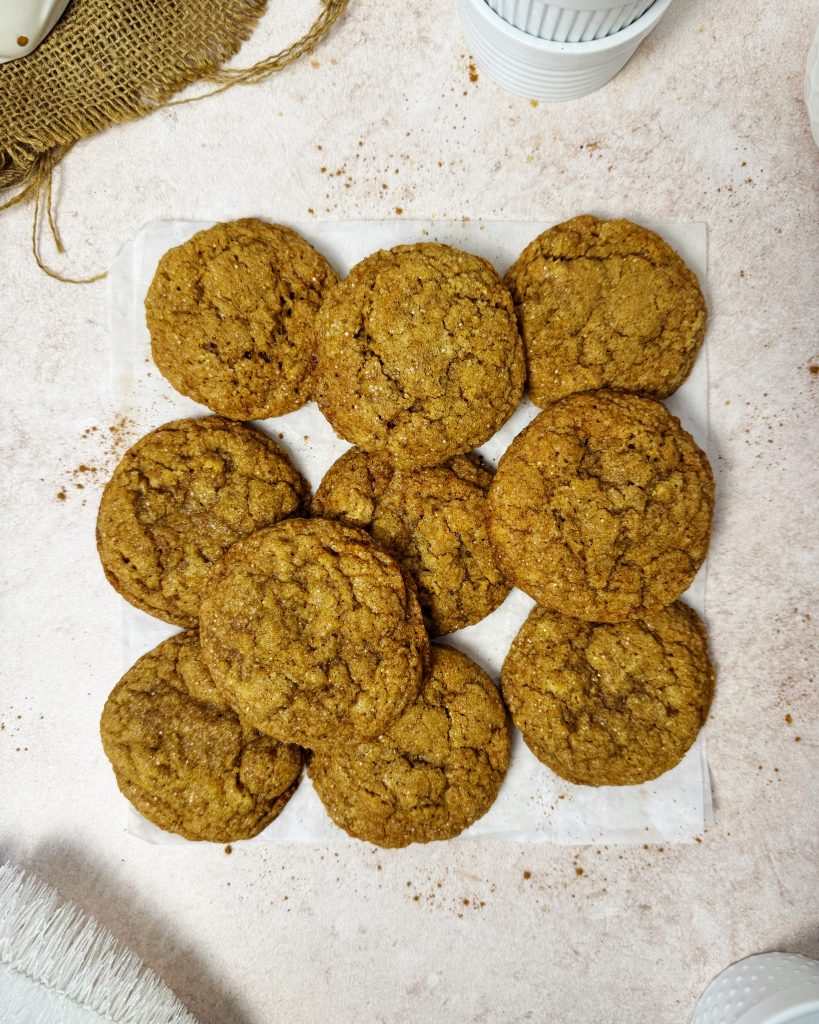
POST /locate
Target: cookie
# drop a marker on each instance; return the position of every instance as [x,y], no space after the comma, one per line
[418,357]
[231,314]
[433,773]
[601,508]
[609,704]
[177,501]
[605,304]
[433,521]
[314,632]
[184,758]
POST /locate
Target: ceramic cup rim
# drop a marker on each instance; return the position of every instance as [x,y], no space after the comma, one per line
[584,5]
[632,33]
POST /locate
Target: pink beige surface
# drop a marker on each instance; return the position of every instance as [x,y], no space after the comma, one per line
[388,115]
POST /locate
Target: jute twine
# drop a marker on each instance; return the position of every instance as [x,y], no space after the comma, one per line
[108,62]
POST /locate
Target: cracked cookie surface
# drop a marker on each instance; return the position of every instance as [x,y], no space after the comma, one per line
[418,354]
[433,773]
[184,758]
[231,317]
[601,508]
[176,502]
[605,304]
[609,704]
[314,632]
[433,521]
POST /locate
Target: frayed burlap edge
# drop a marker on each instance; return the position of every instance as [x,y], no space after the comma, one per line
[35,181]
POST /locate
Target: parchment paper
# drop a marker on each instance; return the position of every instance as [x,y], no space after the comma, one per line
[534,805]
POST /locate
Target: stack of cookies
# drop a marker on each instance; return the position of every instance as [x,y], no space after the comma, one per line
[308,622]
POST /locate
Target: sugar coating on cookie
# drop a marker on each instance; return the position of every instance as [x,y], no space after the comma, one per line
[601,508]
[431,774]
[605,304]
[609,704]
[182,755]
[314,632]
[231,313]
[418,354]
[176,502]
[432,520]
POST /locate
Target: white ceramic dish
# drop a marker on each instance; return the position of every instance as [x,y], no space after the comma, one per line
[544,70]
[570,21]
[768,988]
[24,24]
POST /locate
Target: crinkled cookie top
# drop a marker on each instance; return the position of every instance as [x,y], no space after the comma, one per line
[433,773]
[182,755]
[432,520]
[231,313]
[609,704]
[314,632]
[605,304]
[601,508]
[176,502]
[418,354]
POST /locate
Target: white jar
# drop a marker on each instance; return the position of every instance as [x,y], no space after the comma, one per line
[541,69]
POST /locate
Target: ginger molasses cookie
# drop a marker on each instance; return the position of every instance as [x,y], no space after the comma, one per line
[177,501]
[605,304]
[184,758]
[433,521]
[609,704]
[601,508]
[418,354]
[433,772]
[314,633]
[231,317]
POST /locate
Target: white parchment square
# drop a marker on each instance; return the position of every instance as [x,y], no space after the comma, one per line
[534,805]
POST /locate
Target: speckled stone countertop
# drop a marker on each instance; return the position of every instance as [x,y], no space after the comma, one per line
[385,119]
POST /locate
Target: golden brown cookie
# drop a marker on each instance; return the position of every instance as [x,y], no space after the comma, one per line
[314,632]
[433,521]
[609,704]
[433,772]
[184,758]
[177,501]
[418,354]
[605,303]
[231,315]
[601,508]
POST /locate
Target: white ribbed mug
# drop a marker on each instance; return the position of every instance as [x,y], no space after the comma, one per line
[540,69]
[570,21]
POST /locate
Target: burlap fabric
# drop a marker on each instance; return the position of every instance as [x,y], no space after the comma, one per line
[109,61]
